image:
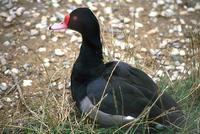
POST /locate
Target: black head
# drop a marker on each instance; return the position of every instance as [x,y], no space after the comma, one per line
[81,20]
[84,21]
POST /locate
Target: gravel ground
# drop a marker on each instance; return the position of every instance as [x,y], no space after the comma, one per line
[149,34]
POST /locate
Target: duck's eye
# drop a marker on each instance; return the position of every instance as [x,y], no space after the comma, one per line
[75,17]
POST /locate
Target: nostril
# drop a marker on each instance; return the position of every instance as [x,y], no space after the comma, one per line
[49,27]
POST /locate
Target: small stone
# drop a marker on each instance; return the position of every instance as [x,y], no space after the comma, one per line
[6,43]
[43,37]
[160,2]
[7,99]
[143,49]
[4,14]
[54,39]
[153,14]
[1,105]
[174,52]
[91,6]
[160,73]
[15,70]
[191,9]
[28,23]
[138,25]
[60,86]
[42,49]
[10,18]
[182,53]
[179,2]
[20,10]
[153,31]
[197,6]
[73,38]
[34,32]
[108,10]
[53,19]
[27,83]
[155,52]
[58,52]
[36,14]
[168,13]
[3,86]
[8,72]
[25,49]
[127,20]
[45,60]
[3,60]
[79,2]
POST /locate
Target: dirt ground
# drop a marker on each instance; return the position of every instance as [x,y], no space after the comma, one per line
[42,60]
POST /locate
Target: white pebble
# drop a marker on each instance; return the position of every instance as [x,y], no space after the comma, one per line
[153,14]
[54,39]
[43,37]
[58,52]
[108,10]
[15,70]
[197,6]
[34,32]
[182,53]
[42,49]
[7,99]
[25,49]
[168,13]
[174,52]
[27,83]
[3,86]
[20,10]
[79,2]
[6,43]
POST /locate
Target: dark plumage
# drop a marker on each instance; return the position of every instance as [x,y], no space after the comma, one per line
[128,90]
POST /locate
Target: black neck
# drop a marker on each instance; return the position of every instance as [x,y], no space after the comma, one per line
[91,52]
[87,67]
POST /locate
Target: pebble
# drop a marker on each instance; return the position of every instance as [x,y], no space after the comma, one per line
[160,2]
[58,52]
[153,14]
[168,13]
[42,49]
[191,9]
[34,32]
[127,20]
[10,18]
[24,48]
[79,2]
[43,37]
[27,83]
[4,14]
[143,49]
[7,99]
[54,39]
[61,86]
[20,10]
[197,6]
[182,53]
[6,43]
[174,52]
[3,86]
[28,23]
[1,105]
[15,70]
[108,10]
[3,60]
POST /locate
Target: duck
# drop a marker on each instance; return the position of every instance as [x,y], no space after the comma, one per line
[113,93]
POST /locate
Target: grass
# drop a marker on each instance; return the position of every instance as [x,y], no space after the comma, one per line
[58,115]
